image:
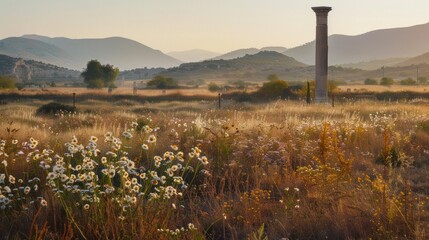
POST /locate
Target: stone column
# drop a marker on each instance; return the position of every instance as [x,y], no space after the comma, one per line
[322,54]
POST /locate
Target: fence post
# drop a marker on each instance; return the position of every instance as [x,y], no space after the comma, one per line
[74,100]
[219,94]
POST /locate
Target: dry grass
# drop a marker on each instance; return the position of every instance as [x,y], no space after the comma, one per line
[379,88]
[302,171]
[202,91]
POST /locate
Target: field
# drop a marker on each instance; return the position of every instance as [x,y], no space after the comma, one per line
[126,169]
[379,88]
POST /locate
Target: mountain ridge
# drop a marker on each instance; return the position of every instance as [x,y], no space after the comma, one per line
[249,51]
[118,51]
[255,66]
[193,55]
[376,44]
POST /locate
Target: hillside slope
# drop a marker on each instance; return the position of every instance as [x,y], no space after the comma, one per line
[378,44]
[75,53]
[34,71]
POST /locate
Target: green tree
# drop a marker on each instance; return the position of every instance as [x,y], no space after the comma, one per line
[7,82]
[387,81]
[408,81]
[98,76]
[162,82]
[370,81]
[110,74]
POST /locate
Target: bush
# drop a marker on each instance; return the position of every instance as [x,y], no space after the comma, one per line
[20,86]
[7,82]
[54,108]
[213,87]
[332,85]
[370,81]
[387,81]
[273,88]
[408,81]
[243,97]
[162,82]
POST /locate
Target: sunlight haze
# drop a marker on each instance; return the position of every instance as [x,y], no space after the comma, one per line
[219,26]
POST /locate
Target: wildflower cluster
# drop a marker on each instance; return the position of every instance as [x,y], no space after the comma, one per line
[178,231]
[22,191]
[88,174]
[85,175]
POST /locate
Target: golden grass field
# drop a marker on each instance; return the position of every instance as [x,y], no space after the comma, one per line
[203,91]
[379,88]
[123,169]
[120,91]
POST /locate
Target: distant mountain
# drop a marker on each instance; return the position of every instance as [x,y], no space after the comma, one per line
[274,49]
[35,50]
[75,53]
[33,71]
[194,55]
[379,44]
[248,51]
[421,59]
[375,64]
[237,54]
[250,67]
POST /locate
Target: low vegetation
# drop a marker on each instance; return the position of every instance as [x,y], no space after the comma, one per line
[370,81]
[162,82]
[385,81]
[55,109]
[7,82]
[274,88]
[249,171]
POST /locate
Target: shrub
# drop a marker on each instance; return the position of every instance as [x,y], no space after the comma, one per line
[387,81]
[408,81]
[54,108]
[7,82]
[273,88]
[213,87]
[20,86]
[162,82]
[370,81]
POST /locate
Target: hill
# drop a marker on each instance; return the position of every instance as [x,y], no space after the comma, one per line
[248,51]
[33,71]
[375,64]
[35,50]
[249,67]
[237,54]
[421,59]
[274,49]
[378,44]
[75,53]
[194,55]
[140,73]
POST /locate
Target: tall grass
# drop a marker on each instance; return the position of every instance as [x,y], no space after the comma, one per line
[277,170]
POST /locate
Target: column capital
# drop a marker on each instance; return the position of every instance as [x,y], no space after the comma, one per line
[321,10]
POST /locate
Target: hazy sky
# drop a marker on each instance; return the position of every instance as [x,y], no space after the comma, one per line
[216,25]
